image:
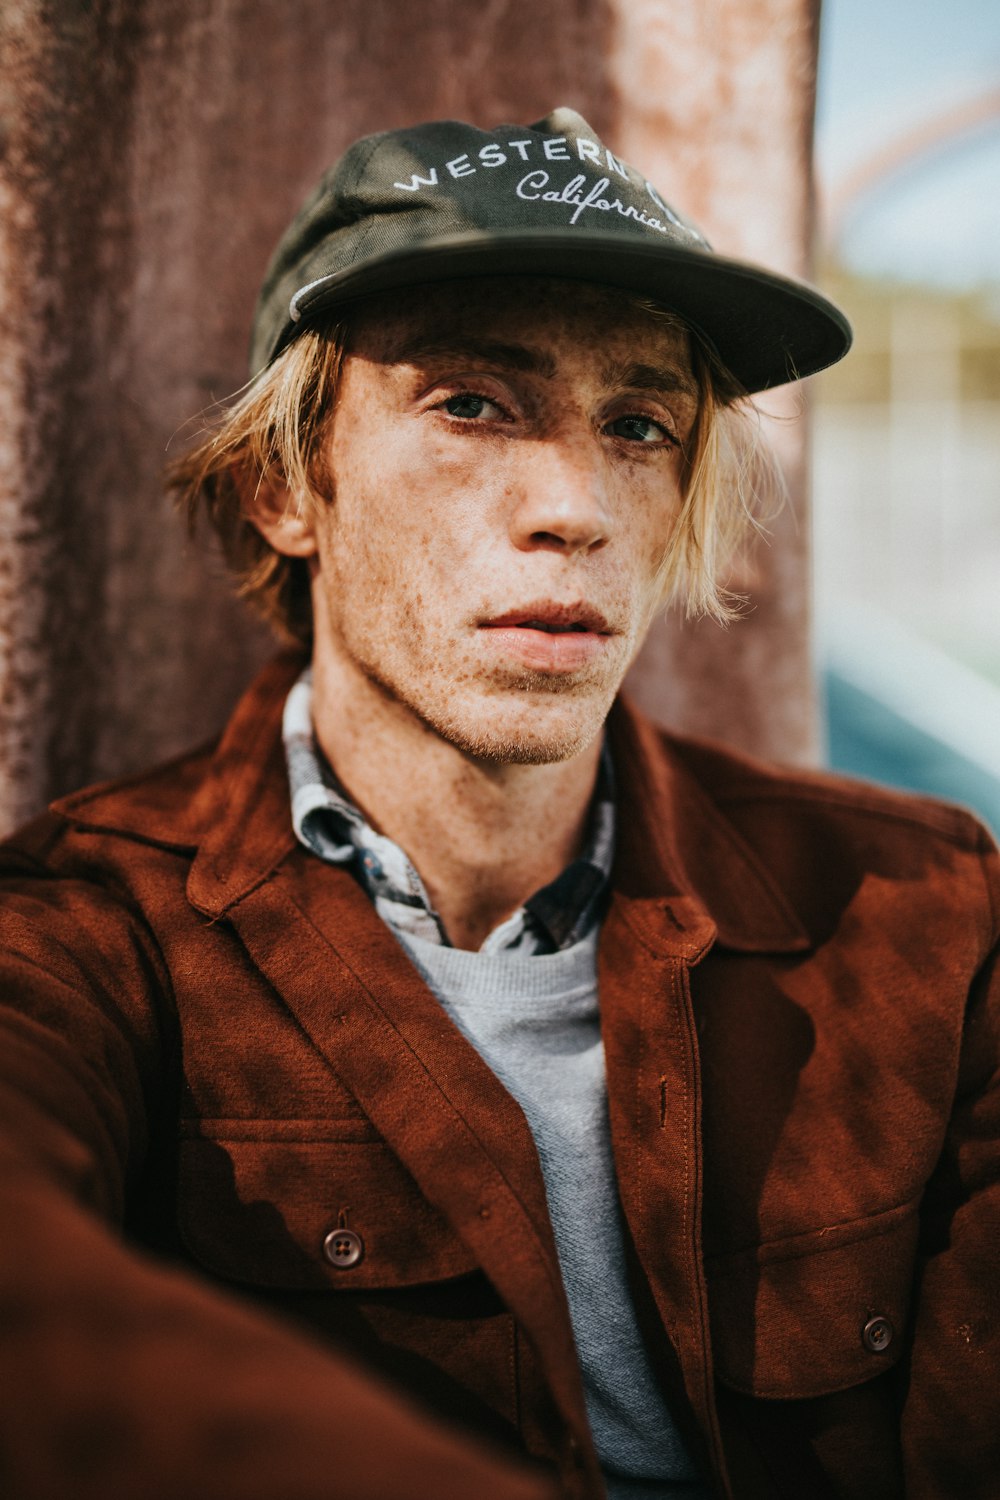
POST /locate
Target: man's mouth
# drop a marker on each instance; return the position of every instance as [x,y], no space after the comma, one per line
[549,626]
[553,619]
[553,639]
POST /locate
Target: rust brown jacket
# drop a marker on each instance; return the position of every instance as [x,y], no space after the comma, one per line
[211,1041]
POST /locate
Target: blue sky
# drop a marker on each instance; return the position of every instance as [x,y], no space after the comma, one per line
[885,65]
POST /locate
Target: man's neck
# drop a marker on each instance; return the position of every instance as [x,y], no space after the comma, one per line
[483,836]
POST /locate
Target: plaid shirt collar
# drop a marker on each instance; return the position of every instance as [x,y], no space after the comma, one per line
[325,821]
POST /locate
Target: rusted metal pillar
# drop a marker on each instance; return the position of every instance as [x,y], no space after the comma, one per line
[719,102]
[150,153]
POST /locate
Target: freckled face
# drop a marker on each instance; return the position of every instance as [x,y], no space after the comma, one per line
[507,459]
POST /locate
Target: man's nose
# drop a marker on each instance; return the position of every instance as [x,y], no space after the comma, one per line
[562,500]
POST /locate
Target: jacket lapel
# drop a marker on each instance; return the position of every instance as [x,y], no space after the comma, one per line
[316,937]
[683,880]
[651,1054]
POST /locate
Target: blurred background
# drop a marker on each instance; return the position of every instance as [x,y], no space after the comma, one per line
[906,438]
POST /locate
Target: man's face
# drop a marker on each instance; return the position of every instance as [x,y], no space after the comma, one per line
[507,460]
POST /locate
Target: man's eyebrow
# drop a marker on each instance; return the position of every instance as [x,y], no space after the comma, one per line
[475,351]
[667,380]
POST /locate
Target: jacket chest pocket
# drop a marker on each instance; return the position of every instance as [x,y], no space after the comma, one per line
[815,1313]
[283,1206]
[322,1222]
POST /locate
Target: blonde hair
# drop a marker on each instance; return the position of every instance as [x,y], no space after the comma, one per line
[731,484]
[275,428]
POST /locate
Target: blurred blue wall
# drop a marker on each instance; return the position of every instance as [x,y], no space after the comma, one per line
[900,711]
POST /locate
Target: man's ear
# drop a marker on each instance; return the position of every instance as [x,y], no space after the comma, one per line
[284,520]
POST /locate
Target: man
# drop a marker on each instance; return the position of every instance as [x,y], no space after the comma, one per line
[620,1102]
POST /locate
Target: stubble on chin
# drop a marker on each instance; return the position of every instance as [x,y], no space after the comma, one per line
[531,719]
[504,744]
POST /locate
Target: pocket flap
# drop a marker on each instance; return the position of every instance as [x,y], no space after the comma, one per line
[815,1313]
[260,1212]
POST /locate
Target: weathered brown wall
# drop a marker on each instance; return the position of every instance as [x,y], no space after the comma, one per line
[152,150]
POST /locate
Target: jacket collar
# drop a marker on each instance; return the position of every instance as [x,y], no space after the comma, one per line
[678,851]
[229,805]
[677,856]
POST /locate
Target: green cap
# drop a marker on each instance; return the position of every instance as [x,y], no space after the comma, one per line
[446,201]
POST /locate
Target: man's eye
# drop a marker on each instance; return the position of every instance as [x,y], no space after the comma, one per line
[468,407]
[640,430]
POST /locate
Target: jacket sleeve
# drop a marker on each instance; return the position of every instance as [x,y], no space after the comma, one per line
[951,1416]
[122,1376]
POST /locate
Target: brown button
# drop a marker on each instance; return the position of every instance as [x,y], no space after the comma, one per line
[343,1248]
[877,1335]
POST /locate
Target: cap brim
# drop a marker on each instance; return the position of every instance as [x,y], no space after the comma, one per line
[766,329]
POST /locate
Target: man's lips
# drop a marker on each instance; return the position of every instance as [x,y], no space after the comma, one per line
[548,637]
[550,618]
